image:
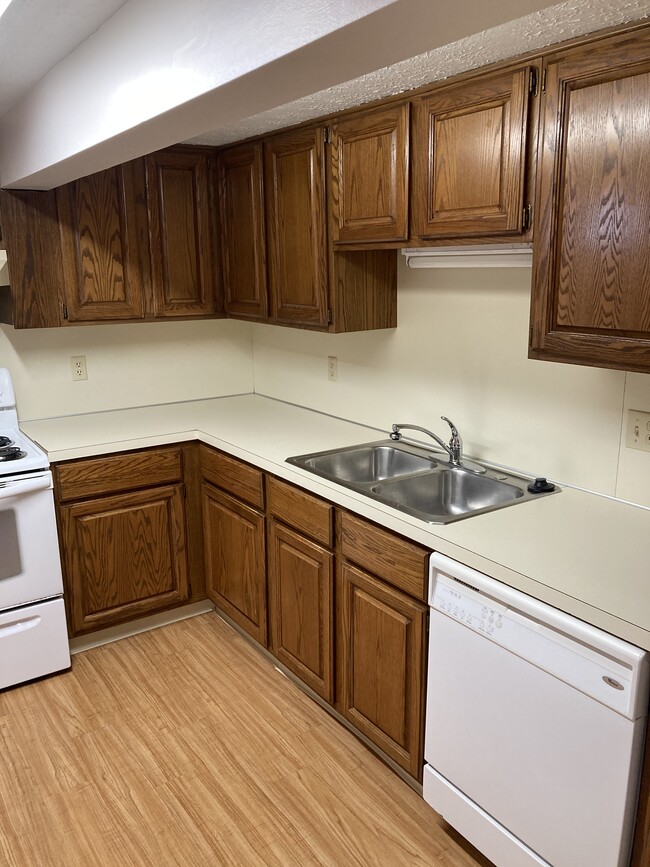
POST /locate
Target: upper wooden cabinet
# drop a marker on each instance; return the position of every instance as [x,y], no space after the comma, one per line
[242,230]
[591,277]
[103,237]
[469,149]
[120,245]
[295,202]
[369,175]
[183,269]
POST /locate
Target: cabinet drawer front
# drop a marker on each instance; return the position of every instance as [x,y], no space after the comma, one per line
[124,472]
[392,558]
[234,476]
[312,516]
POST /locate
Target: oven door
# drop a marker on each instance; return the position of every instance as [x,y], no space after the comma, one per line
[30,568]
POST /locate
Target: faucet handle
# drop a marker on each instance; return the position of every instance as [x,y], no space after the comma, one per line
[454,430]
[396,435]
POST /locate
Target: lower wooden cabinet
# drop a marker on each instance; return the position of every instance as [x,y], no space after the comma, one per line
[125,556]
[301,575]
[381,664]
[235,560]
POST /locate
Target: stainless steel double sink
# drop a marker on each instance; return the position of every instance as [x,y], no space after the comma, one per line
[417,481]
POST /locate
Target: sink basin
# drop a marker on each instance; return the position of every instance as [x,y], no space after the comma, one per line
[366,463]
[447,493]
[417,481]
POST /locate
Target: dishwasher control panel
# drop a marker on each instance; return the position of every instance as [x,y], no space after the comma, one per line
[473,612]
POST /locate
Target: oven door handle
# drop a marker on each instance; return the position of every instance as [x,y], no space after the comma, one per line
[29,486]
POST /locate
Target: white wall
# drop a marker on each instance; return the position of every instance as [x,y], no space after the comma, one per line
[128,365]
[460,349]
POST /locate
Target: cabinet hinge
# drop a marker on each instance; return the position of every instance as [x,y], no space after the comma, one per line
[183,490]
[533,81]
[327,135]
[329,316]
[64,308]
[527,217]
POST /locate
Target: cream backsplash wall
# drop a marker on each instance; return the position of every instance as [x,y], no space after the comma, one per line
[460,349]
[128,365]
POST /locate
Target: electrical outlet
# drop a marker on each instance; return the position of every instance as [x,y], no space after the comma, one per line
[332,368]
[638,430]
[78,367]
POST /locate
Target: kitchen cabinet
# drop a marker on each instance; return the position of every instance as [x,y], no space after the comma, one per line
[380,648]
[79,253]
[381,637]
[234,540]
[123,536]
[369,176]
[104,245]
[242,231]
[301,585]
[310,284]
[469,158]
[591,272]
[130,243]
[183,267]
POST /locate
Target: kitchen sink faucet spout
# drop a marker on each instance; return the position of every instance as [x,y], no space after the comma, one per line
[454,449]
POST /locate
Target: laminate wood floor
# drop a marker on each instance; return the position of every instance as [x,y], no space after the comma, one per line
[184,746]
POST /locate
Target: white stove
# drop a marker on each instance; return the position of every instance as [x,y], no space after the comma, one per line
[33,633]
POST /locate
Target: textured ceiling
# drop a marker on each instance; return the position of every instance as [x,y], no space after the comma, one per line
[532,32]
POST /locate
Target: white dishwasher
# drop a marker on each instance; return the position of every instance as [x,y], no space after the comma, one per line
[534,727]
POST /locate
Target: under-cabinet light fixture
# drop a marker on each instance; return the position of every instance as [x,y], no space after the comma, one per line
[477,256]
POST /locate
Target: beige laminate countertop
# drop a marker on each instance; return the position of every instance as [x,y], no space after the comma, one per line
[585,554]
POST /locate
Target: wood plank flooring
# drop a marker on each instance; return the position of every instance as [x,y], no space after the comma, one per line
[184,746]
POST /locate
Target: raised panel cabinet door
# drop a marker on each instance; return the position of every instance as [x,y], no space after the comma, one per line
[591,270]
[105,245]
[125,556]
[235,560]
[294,180]
[369,165]
[30,231]
[242,230]
[469,145]
[380,652]
[301,622]
[180,226]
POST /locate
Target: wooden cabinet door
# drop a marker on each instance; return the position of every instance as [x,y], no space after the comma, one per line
[469,145]
[380,654]
[301,597]
[591,272]
[30,231]
[369,191]
[104,244]
[125,556]
[294,176]
[182,263]
[243,235]
[235,560]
